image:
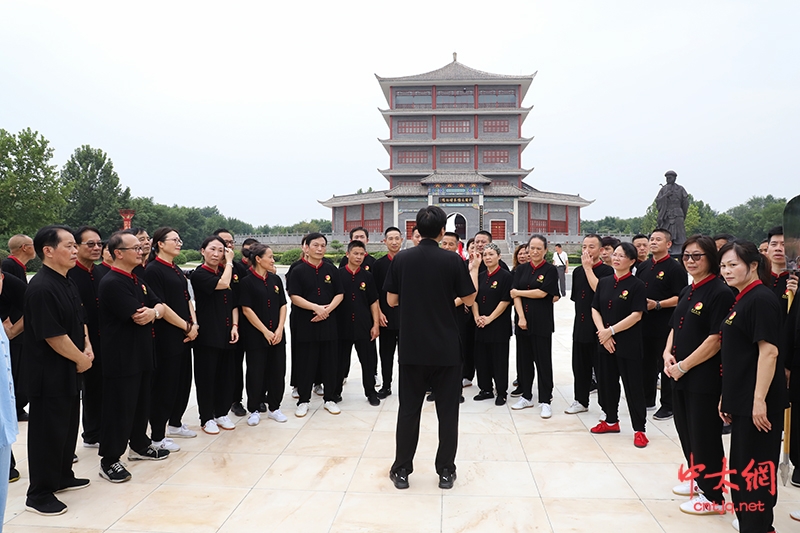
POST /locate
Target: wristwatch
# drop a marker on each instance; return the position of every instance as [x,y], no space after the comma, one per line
[158,315]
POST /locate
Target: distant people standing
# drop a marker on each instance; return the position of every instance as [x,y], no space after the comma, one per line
[8,421]
[393,239]
[561,262]
[362,235]
[21,251]
[642,244]
[146,244]
[609,245]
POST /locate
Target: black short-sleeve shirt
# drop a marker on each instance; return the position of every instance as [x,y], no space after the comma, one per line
[127,346]
[662,279]
[354,315]
[538,311]
[780,290]
[583,329]
[755,316]
[214,308]
[701,308]
[493,289]
[615,299]
[266,297]
[379,270]
[52,308]
[88,283]
[319,285]
[169,283]
[12,301]
[13,266]
[427,280]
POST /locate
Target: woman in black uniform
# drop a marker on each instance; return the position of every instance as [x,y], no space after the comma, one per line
[172,379]
[753,385]
[492,314]
[213,348]
[692,360]
[617,308]
[520,258]
[263,302]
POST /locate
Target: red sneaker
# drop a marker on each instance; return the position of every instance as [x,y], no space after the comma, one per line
[604,427]
[640,439]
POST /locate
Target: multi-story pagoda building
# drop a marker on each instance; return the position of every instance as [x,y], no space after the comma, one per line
[455,140]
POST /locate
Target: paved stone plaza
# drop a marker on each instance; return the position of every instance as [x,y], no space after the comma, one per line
[325,473]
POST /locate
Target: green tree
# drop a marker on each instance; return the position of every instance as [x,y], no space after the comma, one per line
[30,192]
[650,219]
[94,195]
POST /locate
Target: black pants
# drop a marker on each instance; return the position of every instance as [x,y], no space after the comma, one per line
[748,444]
[237,373]
[367,356]
[310,357]
[491,360]
[536,350]
[387,345]
[562,279]
[584,359]
[16,347]
[610,369]
[654,340]
[700,430]
[266,372]
[794,397]
[445,382]
[52,435]
[92,393]
[212,378]
[164,392]
[184,387]
[126,407]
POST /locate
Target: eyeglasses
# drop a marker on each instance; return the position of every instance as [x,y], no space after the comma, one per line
[230,243]
[92,244]
[694,257]
[138,249]
[176,239]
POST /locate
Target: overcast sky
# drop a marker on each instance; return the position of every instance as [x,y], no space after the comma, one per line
[263,108]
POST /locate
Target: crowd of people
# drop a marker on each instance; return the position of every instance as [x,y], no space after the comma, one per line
[115,327]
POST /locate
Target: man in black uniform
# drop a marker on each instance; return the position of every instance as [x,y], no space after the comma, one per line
[664,279]
[12,297]
[127,310]
[87,279]
[584,332]
[427,280]
[21,251]
[642,244]
[393,239]
[316,291]
[359,321]
[57,349]
[362,235]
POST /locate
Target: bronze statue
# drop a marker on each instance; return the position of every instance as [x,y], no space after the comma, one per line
[672,204]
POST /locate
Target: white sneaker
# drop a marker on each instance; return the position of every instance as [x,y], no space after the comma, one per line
[302,410]
[295,394]
[795,515]
[182,432]
[523,404]
[332,408]
[735,524]
[575,408]
[652,408]
[211,428]
[547,411]
[91,444]
[466,382]
[225,423]
[319,390]
[254,419]
[344,382]
[699,505]
[276,415]
[166,444]
[685,489]
[377,381]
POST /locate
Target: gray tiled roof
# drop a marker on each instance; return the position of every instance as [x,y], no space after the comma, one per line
[353,199]
[535,195]
[504,190]
[455,177]
[408,190]
[511,139]
[486,172]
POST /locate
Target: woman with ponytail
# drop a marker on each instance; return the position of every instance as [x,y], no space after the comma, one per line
[753,385]
[263,302]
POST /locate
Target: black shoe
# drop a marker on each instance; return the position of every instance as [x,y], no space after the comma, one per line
[148,454]
[399,478]
[516,393]
[462,399]
[726,429]
[500,400]
[51,508]
[384,393]
[22,416]
[446,479]
[75,484]
[796,477]
[431,397]
[13,475]
[516,383]
[374,400]
[115,473]
[262,407]
[483,395]
[238,409]
[662,414]
[338,398]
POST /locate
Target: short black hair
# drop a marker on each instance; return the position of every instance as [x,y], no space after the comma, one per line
[594,236]
[352,232]
[640,236]
[78,233]
[392,228]
[222,230]
[609,241]
[355,244]
[115,241]
[48,236]
[314,236]
[776,230]
[452,234]
[249,242]
[720,236]
[431,220]
[484,232]
[558,245]
[136,230]
[665,232]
